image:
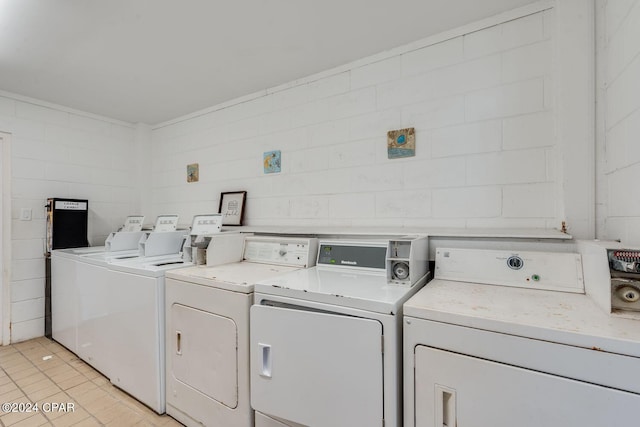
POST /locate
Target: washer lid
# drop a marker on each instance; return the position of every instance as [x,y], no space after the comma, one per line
[149,266]
[104,258]
[77,252]
[365,290]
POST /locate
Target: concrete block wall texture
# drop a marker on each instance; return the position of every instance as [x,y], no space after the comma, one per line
[59,153]
[621,165]
[482,106]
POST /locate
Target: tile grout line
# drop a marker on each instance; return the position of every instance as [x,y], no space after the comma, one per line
[80,406]
[32,350]
[17,351]
[43,372]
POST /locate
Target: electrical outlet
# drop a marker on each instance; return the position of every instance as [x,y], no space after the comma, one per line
[25,214]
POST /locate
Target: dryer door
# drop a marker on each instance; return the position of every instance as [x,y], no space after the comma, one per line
[453,389]
[316,368]
[204,353]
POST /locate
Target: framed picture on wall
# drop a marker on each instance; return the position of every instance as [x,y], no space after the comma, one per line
[232,207]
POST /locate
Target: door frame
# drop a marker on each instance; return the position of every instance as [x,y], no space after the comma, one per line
[5,258]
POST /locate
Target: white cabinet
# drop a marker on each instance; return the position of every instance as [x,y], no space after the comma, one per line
[457,390]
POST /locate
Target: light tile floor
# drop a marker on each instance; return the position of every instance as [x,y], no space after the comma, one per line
[29,376]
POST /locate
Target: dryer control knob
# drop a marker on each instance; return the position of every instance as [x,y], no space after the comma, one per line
[400,270]
[629,294]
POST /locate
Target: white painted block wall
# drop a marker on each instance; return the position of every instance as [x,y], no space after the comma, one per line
[482,104]
[622,120]
[58,153]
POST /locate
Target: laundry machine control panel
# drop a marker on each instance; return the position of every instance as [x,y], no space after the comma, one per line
[166,223]
[402,259]
[363,255]
[203,228]
[624,267]
[133,223]
[555,271]
[298,252]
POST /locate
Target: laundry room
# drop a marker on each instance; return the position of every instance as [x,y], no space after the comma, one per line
[307,163]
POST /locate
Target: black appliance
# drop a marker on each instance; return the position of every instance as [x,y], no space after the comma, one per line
[67,223]
[66,228]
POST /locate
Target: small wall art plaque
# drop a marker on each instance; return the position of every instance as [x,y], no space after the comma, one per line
[272,161]
[401,143]
[193,174]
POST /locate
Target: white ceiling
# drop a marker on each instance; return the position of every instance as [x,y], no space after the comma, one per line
[154,60]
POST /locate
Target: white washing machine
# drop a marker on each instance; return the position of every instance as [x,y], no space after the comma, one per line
[207,309]
[64,294]
[135,317]
[326,342]
[134,338]
[65,281]
[79,287]
[503,339]
[95,294]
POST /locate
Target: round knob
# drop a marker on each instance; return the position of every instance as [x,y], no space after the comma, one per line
[401,270]
[515,262]
[629,294]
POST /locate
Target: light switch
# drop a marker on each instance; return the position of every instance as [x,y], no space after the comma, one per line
[25,214]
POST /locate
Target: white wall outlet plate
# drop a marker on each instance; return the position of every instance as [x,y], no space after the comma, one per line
[25,214]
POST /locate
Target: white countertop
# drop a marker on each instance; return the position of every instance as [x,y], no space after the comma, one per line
[339,286]
[566,318]
[237,276]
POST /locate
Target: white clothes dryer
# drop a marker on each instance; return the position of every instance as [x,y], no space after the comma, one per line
[503,338]
[207,342]
[326,342]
